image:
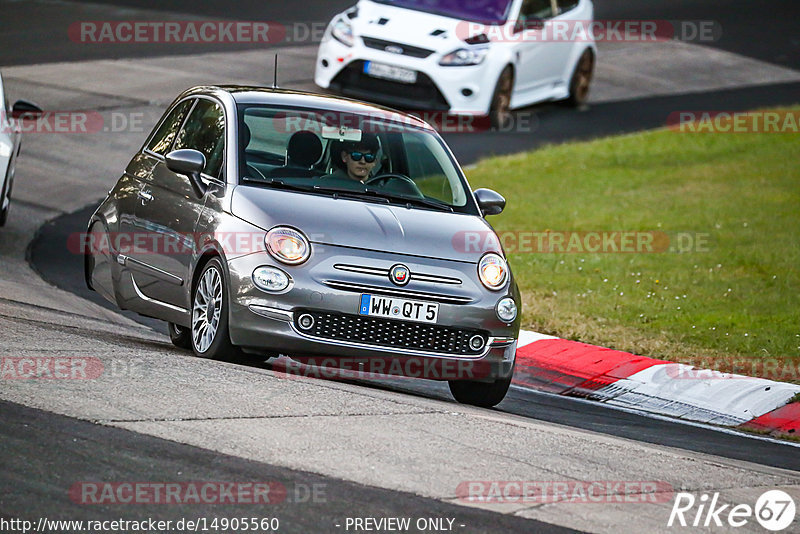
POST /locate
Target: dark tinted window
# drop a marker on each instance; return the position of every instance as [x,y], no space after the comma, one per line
[540,9]
[205,131]
[567,5]
[163,138]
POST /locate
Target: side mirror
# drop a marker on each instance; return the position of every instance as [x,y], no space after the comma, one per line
[530,23]
[490,202]
[24,108]
[191,163]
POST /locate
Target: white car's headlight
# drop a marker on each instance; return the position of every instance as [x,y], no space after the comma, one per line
[493,271]
[342,31]
[287,245]
[464,57]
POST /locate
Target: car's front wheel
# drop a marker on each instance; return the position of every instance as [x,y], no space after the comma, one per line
[210,337]
[483,394]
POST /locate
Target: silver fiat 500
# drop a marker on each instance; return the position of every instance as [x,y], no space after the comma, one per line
[340,234]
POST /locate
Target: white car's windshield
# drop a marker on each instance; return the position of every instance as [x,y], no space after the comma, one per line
[487,11]
[330,151]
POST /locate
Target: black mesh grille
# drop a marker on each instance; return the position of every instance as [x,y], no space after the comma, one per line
[390,333]
[408,50]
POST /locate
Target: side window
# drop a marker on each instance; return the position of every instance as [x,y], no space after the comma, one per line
[205,131]
[535,9]
[163,138]
[567,5]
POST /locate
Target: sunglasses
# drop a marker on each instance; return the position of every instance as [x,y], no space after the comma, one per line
[356,156]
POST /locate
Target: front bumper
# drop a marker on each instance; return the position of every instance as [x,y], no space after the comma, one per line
[266,322]
[459,90]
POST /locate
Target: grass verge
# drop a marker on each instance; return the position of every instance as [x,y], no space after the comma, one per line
[725,208]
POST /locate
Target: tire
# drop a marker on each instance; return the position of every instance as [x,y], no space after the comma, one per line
[180,336]
[210,337]
[500,110]
[483,394]
[581,80]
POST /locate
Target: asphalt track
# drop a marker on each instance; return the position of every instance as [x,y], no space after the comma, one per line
[42,481]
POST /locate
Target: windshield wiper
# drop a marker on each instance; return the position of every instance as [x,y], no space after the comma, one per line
[427,202]
[278,184]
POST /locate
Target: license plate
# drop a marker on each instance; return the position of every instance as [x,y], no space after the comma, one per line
[394,308]
[389,72]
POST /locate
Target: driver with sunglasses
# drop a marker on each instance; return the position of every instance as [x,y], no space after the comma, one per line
[358,159]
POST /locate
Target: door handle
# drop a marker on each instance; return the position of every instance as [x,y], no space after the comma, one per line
[145,196]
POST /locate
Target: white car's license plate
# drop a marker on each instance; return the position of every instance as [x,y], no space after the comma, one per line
[389,72]
[394,308]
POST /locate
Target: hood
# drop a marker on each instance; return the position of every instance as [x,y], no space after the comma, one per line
[365,225]
[405,26]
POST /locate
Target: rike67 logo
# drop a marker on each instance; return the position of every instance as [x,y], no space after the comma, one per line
[774,510]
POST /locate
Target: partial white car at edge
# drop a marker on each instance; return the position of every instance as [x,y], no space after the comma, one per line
[479,57]
[10,139]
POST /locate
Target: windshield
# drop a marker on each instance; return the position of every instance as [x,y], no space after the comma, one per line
[373,157]
[488,11]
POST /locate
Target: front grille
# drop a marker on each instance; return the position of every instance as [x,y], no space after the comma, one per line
[378,271]
[396,292]
[408,50]
[424,95]
[389,333]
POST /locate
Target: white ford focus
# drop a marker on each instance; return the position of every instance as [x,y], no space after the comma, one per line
[477,57]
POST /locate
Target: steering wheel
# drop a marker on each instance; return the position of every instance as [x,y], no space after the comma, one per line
[407,185]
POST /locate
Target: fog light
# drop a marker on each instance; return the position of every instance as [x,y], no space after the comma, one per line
[270,279]
[476,342]
[506,310]
[305,321]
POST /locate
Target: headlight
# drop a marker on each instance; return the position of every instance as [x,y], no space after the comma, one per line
[270,279]
[493,271]
[464,57]
[342,31]
[5,150]
[506,310]
[287,245]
